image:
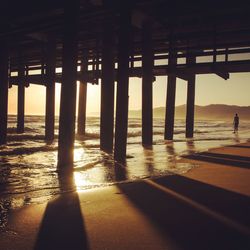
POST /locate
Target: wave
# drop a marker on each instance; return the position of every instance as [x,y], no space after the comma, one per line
[88,136]
[31,190]
[134,125]
[13,130]
[25,150]
[92,146]
[216,125]
[134,134]
[205,139]
[88,165]
[21,137]
[197,131]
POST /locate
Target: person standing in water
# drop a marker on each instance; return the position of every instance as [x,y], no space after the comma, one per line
[236,123]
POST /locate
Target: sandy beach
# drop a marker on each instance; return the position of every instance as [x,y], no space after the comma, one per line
[206,208]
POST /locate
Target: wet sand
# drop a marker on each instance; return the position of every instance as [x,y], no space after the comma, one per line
[206,208]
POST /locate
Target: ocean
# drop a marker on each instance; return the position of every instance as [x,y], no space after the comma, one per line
[28,165]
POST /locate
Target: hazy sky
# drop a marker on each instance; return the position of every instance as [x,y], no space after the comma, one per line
[210,89]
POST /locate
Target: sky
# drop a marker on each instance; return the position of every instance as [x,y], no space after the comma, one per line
[210,89]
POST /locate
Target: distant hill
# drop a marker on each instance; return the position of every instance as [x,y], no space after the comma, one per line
[210,112]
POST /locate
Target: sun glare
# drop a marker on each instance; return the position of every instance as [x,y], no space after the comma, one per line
[80,181]
[78,154]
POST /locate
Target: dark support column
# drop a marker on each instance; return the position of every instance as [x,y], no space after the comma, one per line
[82,98]
[121,123]
[82,108]
[3,94]
[190,101]
[20,99]
[68,88]
[147,78]
[107,90]
[50,91]
[170,103]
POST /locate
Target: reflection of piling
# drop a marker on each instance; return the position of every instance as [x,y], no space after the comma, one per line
[3,93]
[107,90]
[171,89]
[20,98]
[121,123]
[190,146]
[190,100]
[50,91]
[147,78]
[149,159]
[68,87]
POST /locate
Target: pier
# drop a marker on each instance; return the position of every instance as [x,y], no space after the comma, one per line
[103,42]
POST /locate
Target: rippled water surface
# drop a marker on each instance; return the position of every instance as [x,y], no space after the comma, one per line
[28,165]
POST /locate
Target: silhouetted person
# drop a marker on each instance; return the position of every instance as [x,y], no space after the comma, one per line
[236,123]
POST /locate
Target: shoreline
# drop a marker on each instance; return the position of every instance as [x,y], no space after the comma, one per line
[219,159]
[154,213]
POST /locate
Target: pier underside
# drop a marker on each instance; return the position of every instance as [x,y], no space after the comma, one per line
[108,41]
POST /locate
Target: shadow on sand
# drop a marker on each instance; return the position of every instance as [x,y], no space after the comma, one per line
[225,159]
[238,146]
[188,226]
[63,224]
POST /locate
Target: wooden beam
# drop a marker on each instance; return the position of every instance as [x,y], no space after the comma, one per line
[3,93]
[224,75]
[147,88]
[82,105]
[121,123]
[82,102]
[50,90]
[182,71]
[107,89]
[20,107]
[20,97]
[68,87]
[190,100]
[170,102]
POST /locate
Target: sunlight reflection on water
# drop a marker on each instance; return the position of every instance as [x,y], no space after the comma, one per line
[28,170]
[81,181]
